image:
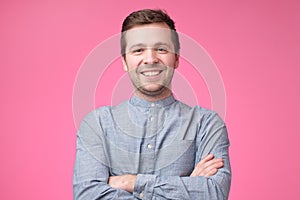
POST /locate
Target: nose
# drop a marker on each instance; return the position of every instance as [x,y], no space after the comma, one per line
[150,56]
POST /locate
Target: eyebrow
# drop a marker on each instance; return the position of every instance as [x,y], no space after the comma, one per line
[136,45]
[155,45]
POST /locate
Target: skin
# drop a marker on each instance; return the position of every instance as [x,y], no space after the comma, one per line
[150,50]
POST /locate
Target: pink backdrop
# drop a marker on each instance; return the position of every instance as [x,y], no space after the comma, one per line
[255,45]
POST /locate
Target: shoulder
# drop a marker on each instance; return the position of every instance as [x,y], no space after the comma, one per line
[204,115]
[209,116]
[104,112]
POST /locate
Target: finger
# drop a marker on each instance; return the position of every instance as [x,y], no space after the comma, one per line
[212,169]
[211,173]
[205,160]
[217,162]
[204,169]
[200,165]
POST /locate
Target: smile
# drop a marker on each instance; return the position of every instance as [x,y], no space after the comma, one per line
[151,73]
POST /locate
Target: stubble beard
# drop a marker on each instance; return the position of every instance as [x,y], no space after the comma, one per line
[163,86]
[142,88]
[152,93]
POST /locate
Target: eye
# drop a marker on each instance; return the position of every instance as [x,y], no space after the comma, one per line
[137,51]
[162,50]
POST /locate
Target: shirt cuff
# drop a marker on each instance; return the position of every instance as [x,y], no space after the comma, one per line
[144,186]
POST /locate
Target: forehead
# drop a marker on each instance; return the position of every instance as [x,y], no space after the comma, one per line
[149,34]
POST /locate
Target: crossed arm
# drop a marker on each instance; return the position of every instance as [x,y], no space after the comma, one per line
[210,178]
[207,167]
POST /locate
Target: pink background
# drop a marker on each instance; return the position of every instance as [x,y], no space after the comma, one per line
[255,45]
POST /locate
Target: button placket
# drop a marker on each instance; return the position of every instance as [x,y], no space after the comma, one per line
[149,146]
[151,118]
[153,112]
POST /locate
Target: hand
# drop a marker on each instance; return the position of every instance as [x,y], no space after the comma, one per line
[123,182]
[208,166]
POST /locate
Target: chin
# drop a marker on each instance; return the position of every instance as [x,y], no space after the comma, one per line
[152,91]
[153,88]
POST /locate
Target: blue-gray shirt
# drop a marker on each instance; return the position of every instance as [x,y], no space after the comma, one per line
[159,141]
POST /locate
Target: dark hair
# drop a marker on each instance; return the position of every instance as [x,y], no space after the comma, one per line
[148,16]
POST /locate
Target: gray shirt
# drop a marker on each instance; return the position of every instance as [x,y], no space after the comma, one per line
[160,142]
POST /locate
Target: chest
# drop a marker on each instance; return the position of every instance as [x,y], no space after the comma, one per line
[151,142]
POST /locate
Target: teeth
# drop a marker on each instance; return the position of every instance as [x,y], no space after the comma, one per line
[151,73]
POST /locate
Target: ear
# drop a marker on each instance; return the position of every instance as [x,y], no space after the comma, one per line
[176,60]
[125,67]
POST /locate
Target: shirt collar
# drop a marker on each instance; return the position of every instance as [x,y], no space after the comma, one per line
[137,101]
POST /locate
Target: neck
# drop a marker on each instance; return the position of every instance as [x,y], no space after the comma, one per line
[153,98]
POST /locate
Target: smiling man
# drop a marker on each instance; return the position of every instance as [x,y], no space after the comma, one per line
[151,146]
[150,59]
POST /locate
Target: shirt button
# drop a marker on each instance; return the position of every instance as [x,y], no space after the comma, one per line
[149,146]
[151,119]
[141,195]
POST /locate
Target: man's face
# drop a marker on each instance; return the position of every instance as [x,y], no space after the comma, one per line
[150,58]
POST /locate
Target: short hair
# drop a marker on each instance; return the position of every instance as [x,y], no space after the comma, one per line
[148,16]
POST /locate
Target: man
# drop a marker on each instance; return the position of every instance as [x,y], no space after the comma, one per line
[151,146]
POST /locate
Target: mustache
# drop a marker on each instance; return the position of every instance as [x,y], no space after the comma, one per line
[148,67]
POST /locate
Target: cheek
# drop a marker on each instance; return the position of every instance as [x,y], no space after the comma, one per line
[132,62]
[171,62]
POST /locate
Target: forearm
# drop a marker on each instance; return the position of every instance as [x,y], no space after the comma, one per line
[175,187]
[124,182]
[98,190]
[91,180]
[198,187]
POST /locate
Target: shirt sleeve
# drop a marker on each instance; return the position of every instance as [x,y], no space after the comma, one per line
[212,138]
[91,171]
